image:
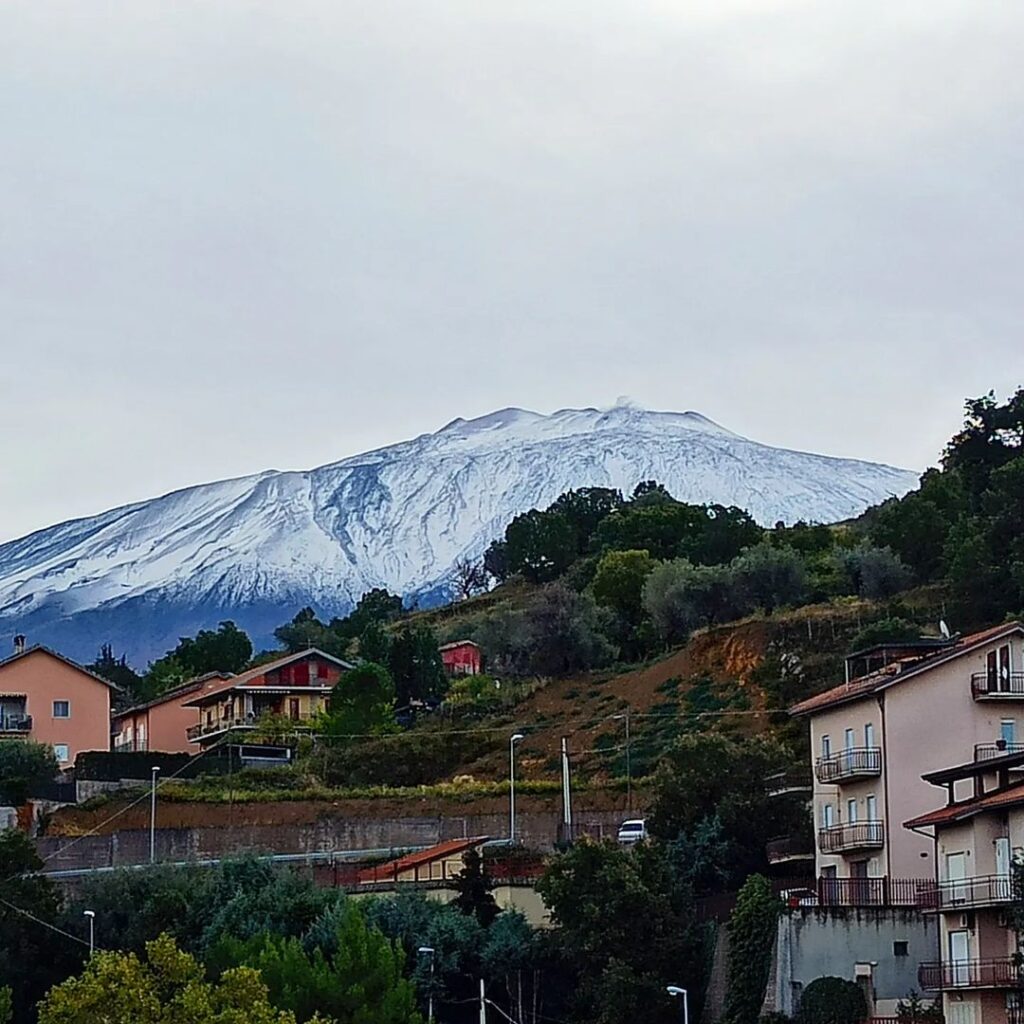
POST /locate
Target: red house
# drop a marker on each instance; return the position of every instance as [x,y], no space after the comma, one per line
[462,658]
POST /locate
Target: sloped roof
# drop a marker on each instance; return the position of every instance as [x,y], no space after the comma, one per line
[892,674]
[254,673]
[1013,796]
[458,643]
[168,695]
[36,648]
[442,851]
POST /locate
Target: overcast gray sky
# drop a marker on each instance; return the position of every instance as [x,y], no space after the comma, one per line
[236,236]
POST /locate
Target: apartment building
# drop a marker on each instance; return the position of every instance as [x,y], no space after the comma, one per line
[294,687]
[904,711]
[976,836]
[50,699]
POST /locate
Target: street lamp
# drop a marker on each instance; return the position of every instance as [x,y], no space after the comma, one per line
[513,740]
[629,768]
[429,951]
[91,914]
[675,990]
[152,814]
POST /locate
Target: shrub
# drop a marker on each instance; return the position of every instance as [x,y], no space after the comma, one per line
[832,1001]
[752,929]
[23,764]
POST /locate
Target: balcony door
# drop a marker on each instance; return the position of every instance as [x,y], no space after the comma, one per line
[960,1013]
[956,873]
[1002,868]
[960,958]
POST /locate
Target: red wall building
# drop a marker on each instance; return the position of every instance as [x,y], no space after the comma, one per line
[462,658]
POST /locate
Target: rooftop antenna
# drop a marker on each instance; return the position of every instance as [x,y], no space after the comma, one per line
[944,629]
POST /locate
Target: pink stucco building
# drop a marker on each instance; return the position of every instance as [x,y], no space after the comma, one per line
[48,698]
[905,711]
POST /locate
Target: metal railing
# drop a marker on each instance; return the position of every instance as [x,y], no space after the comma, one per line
[979,891]
[875,892]
[987,751]
[852,763]
[15,723]
[786,848]
[998,972]
[984,684]
[788,782]
[858,835]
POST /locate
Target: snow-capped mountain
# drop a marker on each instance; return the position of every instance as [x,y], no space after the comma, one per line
[257,548]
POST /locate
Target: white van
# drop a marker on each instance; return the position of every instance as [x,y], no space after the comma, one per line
[632,831]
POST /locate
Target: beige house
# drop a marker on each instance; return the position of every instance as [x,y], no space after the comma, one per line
[904,711]
[977,835]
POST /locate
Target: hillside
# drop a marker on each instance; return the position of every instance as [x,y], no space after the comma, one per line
[257,548]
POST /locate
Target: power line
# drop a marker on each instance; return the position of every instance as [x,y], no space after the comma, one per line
[45,924]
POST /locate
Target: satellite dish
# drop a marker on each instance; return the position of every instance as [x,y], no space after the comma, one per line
[944,629]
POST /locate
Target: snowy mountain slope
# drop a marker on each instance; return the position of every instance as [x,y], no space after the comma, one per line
[257,548]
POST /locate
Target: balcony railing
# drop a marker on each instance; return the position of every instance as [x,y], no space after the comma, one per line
[985,686]
[1000,972]
[852,763]
[857,835]
[986,751]
[15,723]
[196,732]
[788,782]
[962,893]
[789,848]
[876,892]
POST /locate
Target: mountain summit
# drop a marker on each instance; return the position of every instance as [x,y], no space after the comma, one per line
[257,548]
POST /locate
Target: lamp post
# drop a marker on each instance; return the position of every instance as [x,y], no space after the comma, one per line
[629,768]
[513,740]
[152,814]
[675,990]
[91,914]
[429,951]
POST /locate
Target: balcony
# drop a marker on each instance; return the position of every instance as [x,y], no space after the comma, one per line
[783,783]
[204,729]
[15,724]
[966,893]
[849,838]
[985,686]
[1000,972]
[787,849]
[987,751]
[853,763]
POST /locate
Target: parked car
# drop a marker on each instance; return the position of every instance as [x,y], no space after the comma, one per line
[632,831]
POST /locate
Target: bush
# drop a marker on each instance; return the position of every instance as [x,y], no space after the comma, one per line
[832,1001]
[23,764]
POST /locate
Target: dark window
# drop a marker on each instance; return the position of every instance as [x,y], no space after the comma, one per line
[901,948]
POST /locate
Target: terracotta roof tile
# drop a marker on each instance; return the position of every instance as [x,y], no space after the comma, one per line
[1010,797]
[385,872]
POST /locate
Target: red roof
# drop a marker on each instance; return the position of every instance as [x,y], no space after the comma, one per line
[393,868]
[1011,797]
[892,674]
[455,644]
[254,673]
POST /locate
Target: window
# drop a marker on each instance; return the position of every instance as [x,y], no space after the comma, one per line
[827,816]
[851,811]
[901,947]
[826,746]
[62,709]
[869,735]
[313,671]
[871,807]
[60,751]
[849,739]
[1007,731]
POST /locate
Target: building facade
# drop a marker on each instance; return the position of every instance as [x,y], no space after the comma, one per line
[294,687]
[917,708]
[462,658]
[163,723]
[977,836]
[49,699]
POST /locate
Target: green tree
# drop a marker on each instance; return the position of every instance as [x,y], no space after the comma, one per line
[24,764]
[752,929]
[117,671]
[362,703]
[626,924]
[564,632]
[6,1006]
[344,968]
[708,776]
[770,576]
[585,509]
[832,1001]
[30,958]
[889,630]
[496,561]
[680,596]
[473,887]
[662,530]
[168,988]
[992,436]
[540,545]
[619,583]
[226,649]
[415,664]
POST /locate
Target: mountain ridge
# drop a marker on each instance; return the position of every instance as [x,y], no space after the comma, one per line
[256,547]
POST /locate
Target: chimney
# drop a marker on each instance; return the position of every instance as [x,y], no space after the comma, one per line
[19,643]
